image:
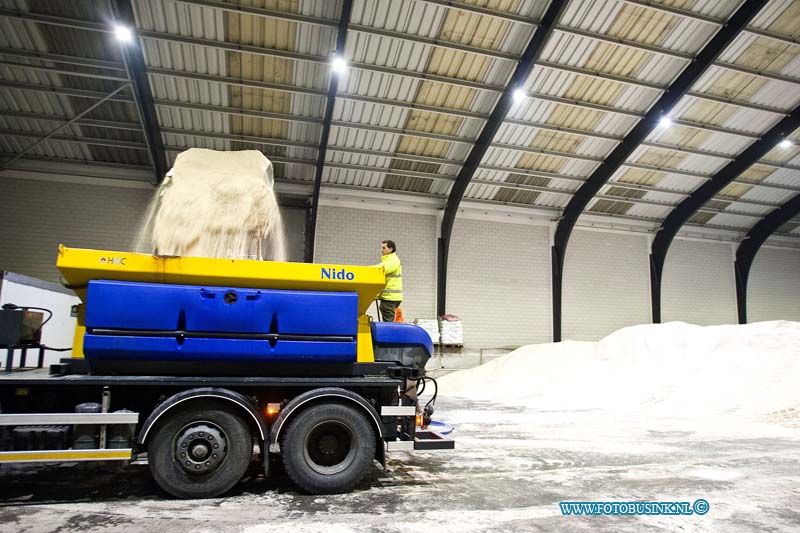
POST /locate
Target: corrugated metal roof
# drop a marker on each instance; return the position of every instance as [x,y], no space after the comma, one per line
[761,53]
[359,160]
[188,119]
[363,139]
[188,91]
[406,16]
[33,102]
[718,9]
[379,85]
[484,32]
[20,34]
[184,57]
[748,88]
[638,24]
[369,113]
[36,77]
[386,52]
[180,19]
[524,136]
[360,178]
[591,90]
[388,166]
[609,58]
[50,148]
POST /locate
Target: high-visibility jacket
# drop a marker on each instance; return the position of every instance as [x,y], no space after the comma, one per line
[394,278]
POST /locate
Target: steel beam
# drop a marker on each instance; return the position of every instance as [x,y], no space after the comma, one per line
[751,244]
[333,86]
[721,40]
[133,58]
[702,194]
[518,80]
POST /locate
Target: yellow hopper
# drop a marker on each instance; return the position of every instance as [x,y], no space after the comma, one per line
[79,266]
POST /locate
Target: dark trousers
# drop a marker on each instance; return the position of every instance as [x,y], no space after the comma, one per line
[387,308]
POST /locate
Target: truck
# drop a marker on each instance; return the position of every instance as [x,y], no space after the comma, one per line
[206,367]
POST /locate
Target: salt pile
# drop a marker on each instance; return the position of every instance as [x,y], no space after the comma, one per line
[216,204]
[671,369]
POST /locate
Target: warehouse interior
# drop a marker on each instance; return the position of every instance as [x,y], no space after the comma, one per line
[551,171]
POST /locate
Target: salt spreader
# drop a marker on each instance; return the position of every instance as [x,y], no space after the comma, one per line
[192,362]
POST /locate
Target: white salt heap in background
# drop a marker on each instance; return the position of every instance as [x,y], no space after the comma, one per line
[672,369]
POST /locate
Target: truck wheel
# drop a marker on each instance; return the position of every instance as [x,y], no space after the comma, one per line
[328,448]
[200,452]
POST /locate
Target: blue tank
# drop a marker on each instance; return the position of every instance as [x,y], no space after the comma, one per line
[149,328]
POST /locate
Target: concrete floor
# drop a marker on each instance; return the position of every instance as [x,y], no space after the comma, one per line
[510,469]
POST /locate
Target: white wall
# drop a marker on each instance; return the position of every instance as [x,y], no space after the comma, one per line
[697,285]
[353,237]
[606,284]
[498,282]
[773,289]
[294,222]
[35,216]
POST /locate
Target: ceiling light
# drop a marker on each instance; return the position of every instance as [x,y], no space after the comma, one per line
[786,143]
[123,33]
[339,65]
[665,122]
[519,95]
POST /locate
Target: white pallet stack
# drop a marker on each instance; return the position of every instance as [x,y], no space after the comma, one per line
[431,326]
[451,330]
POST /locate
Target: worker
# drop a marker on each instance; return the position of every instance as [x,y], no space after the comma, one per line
[392,294]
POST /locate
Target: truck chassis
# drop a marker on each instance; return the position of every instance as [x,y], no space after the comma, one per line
[200,434]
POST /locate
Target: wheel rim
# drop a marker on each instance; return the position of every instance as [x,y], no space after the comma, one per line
[329,447]
[200,447]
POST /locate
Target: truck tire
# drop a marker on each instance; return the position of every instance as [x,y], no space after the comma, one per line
[200,452]
[328,448]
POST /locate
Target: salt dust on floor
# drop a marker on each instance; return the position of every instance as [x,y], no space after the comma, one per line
[519,452]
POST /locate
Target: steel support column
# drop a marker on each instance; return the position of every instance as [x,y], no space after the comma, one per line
[637,135]
[311,226]
[678,217]
[517,81]
[752,242]
[133,58]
